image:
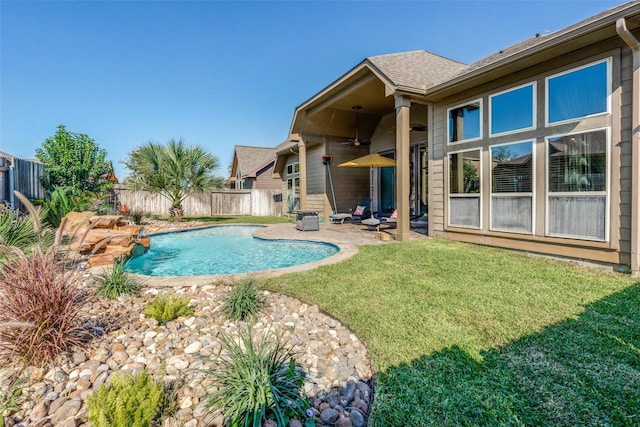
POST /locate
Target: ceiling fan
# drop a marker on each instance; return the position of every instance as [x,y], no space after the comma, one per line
[356,142]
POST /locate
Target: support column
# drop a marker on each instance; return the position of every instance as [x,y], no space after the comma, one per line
[302,174]
[403,181]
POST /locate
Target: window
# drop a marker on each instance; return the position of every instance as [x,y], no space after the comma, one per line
[512,110]
[464,189]
[512,187]
[577,185]
[465,122]
[293,186]
[293,168]
[578,93]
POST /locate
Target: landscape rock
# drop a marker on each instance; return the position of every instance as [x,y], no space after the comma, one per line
[177,352]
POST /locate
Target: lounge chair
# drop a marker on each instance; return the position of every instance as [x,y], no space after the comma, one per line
[361,211]
[374,223]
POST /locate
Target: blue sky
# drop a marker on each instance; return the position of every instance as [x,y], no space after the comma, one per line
[221,73]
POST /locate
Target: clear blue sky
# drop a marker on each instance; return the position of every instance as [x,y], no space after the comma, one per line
[220,73]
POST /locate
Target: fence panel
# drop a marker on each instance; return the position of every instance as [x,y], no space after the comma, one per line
[26,178]
[219,202]
[236,202]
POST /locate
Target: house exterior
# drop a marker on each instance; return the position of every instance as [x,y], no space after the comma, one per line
[533,148]
[252,167]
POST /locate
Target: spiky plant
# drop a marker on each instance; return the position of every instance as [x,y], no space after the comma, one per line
[244,300]
[23,231]
[115,281]
[256,381]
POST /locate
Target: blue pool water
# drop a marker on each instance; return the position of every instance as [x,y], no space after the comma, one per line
[223,250]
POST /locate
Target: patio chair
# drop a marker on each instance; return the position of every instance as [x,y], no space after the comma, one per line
[374,223]
[361,211]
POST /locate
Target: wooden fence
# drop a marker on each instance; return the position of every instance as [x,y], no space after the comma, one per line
[219,202]
[21,175]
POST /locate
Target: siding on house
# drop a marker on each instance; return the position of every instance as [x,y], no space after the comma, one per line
[264,180]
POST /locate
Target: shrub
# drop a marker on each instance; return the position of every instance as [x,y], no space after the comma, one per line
[244,300]
[40,301]
[168,307]
[16,229]
[136,215]
[10,393]
[115,281]
[256,381]
[126,401]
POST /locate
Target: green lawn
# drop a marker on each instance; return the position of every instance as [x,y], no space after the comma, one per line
[468,335]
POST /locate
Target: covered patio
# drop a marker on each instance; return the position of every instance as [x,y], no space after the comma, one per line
[374,108]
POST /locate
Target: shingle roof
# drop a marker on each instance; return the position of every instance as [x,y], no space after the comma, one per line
[417,69]
[542,38]
[252,159]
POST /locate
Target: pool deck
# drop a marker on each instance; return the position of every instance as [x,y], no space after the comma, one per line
[346,236]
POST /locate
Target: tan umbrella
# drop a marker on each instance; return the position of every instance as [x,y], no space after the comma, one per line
[370,160]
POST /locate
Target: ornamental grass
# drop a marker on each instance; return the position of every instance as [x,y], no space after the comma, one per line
[40,303]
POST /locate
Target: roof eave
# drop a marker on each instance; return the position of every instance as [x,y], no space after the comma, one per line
[489,72]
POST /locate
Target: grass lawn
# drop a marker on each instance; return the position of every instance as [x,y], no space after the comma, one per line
[468,335]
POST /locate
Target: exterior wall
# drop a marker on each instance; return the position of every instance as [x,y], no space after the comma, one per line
[315,170]
[351,185]
[264,181]
[616,248]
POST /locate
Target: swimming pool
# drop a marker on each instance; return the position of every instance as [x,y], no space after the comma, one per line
[223,250]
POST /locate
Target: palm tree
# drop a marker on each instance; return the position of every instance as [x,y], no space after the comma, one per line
[174,170]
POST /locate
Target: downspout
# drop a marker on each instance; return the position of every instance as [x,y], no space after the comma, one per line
[12,200]
[634,44]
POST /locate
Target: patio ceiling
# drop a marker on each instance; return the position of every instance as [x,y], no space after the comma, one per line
[330,115]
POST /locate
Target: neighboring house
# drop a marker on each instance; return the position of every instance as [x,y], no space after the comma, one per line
[252,168]
[533,148]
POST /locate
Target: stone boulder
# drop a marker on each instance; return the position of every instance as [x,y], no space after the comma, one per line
[104,239]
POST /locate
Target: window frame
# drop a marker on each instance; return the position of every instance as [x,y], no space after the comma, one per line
[606,192]
[531,194]
[479,101]
[608,61]
[478,195]
[534,109]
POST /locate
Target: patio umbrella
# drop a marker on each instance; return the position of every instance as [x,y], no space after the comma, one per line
[369,161]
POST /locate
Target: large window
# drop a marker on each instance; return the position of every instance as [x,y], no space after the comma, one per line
[577,185]
[578,93]
[512,187]
[512,110]
[464,189]
[465,122]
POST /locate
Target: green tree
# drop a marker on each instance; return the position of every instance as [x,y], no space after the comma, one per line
[174,170]
[74,160]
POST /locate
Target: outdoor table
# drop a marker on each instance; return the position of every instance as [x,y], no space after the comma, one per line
[307,220]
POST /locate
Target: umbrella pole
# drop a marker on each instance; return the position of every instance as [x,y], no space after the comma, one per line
[371,190]
[333,194]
